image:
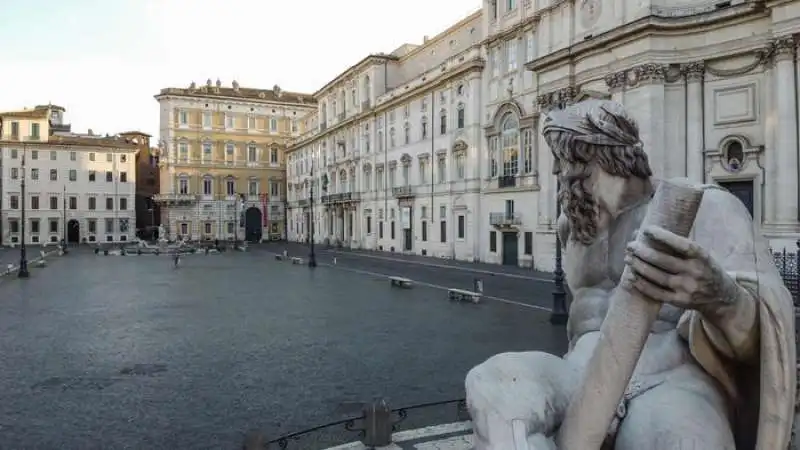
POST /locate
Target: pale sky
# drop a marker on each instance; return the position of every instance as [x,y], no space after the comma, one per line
[103,60]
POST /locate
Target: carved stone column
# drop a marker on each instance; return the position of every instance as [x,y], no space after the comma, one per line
[694,73]
[785,150]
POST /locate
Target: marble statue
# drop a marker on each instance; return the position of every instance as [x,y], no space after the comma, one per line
[162,234]
[718,368]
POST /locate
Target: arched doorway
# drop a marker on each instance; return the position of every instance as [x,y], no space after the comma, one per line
[73,231]
[252,224]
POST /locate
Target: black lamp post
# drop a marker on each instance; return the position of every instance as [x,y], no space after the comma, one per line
[64,223]
[312,257]
[559,314]
[23,257]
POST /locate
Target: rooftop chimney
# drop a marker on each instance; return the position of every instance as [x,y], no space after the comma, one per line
[425,39]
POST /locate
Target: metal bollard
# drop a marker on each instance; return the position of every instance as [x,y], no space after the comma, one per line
[377,424]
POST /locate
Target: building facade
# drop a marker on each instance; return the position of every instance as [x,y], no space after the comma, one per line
[391,152]
[147,184]
[77,188]
[222,160]
[714,87]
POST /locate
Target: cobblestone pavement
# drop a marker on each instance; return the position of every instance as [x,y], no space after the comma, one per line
[503,282]
[106,352]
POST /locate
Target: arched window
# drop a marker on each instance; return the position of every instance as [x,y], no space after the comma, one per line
[424,125]
[510,144]
[461,116]
[183,183]
[443,121]
[208,185]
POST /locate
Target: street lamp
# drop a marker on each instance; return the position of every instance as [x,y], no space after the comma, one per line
[64,223]
[23,257]
[559,314]
[312,257]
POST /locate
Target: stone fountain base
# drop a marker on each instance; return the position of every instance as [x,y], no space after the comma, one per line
[452,436]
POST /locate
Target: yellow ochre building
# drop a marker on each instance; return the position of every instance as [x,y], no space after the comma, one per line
[222,165]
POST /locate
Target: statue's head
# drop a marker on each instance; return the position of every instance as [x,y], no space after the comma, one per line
[596,147]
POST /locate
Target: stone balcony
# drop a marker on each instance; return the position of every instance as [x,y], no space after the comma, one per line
[403,191]
[176,199]
[505,220]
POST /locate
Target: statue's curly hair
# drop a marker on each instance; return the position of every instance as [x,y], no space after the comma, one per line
[576,157]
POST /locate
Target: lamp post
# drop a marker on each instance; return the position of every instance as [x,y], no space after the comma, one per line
[312,257]
[559,314]
[64,223]
[23,257]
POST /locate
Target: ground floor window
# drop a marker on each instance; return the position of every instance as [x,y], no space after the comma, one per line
[380,230]
[184,228]
[424,226]
[208,227]
[230,227]
[528,243]
[493,241]
[461,227]
[369,225]
[443,231]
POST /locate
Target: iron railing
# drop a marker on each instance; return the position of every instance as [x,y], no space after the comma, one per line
[373,427]
[788,264]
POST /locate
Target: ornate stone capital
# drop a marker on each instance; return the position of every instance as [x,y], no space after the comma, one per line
[648,73]
[615,81]
[784,48]
[556,99]
[694,71]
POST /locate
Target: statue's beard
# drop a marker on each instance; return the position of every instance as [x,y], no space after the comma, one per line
[580,207]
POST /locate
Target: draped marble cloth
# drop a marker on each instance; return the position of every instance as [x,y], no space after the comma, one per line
[763,393]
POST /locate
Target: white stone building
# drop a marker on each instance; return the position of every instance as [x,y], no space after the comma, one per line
[394,150]
[86,183]
[714,87]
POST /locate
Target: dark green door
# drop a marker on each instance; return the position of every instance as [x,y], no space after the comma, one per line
[252,224]
[510,248]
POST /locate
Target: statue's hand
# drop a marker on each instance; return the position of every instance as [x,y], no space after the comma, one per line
[672,269]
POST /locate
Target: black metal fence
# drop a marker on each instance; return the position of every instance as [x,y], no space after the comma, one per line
[788,264]
[373,427]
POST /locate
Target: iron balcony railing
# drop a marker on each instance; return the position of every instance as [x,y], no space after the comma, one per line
[504,219]
[403,191]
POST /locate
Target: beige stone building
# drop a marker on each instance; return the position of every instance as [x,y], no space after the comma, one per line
[222,159]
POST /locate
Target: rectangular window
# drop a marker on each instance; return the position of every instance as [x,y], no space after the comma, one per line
[92,203]
[53,175]
[443,212]
[34,154]
[53,224]
[207,227]
[460,169]
[528,242]
[230,187]
[13,225]
[34,174]
[252,153]
[53,156]
[369,225]
[91,156]
[92,225]
[109,157]
[14,130]
[53,202]
[380,230]
[123,177]
[109,176]
[183,117]
[251,122]
[73,203]
[123,203]
[442,169]
[274,189]
[424,226]
[73,156]
[183,186]
[73,175]
[229,121]
[443,231]
[273,155]
[461,227]
[206,120]
[92,175]
[391,230]
[109,226]
[14,173]
[35,202]
[183,151]
[511,56]
[493,241]
[109,203]
[35,226]
[35,131]
[14,202]
[273,124]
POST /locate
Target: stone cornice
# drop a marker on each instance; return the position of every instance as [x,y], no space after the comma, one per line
[350,71]
[513,31]
[645,26]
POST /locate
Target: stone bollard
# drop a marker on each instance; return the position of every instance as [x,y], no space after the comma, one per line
[477,286]
[377,424]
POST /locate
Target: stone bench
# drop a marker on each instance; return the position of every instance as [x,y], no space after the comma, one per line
[297,260]
[400,282]
[463,295]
